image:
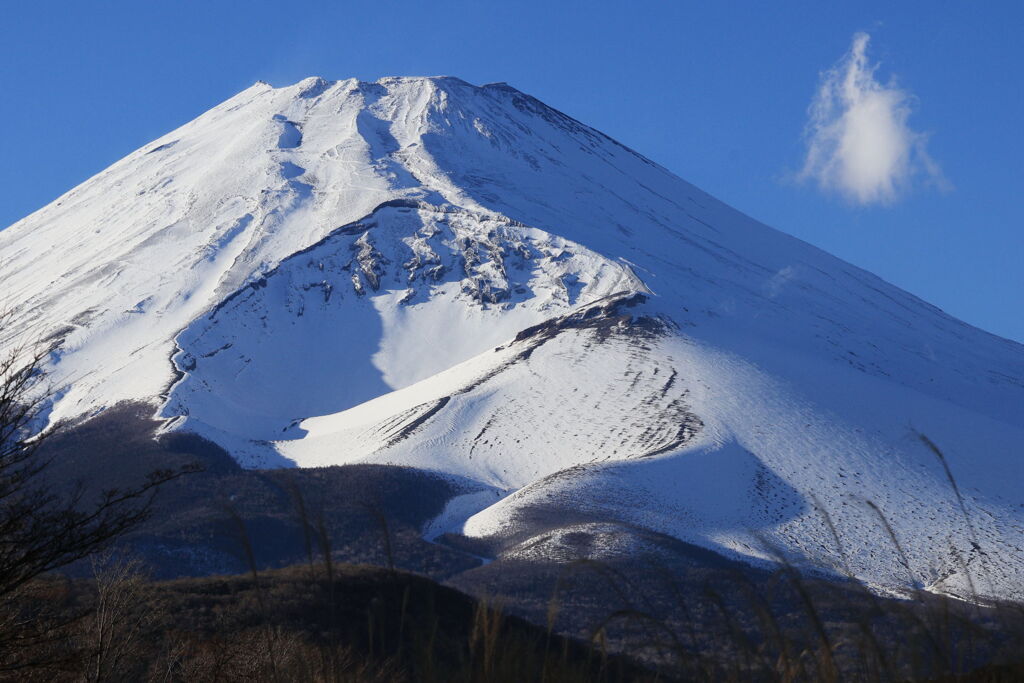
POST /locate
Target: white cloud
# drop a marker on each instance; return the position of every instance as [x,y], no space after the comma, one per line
[774,285]
[858,140]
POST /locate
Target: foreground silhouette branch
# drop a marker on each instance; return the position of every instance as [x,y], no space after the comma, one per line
[47,524]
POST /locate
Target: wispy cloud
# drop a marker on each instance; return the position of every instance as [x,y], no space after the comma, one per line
[859,143]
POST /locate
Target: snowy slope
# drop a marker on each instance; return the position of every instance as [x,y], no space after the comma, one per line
[461,279]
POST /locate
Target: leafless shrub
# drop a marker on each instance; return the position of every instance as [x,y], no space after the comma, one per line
[44,526]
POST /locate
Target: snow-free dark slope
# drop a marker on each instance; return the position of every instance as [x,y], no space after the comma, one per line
[419,271]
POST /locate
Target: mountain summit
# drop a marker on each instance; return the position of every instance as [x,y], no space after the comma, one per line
[461,279]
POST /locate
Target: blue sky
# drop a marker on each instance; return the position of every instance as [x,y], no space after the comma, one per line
[717,92]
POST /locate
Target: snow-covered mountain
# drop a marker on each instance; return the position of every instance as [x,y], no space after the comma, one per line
[461,279]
